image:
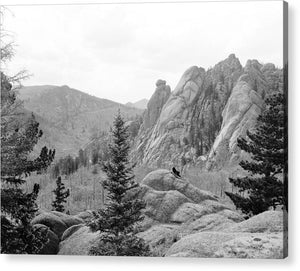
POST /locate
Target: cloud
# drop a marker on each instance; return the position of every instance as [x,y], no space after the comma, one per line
[119,51]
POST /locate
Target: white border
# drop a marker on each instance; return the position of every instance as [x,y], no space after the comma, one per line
[74,263]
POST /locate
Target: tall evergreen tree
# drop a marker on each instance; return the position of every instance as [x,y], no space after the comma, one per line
[117,221]
[267,147]
[61,193]
[19,134]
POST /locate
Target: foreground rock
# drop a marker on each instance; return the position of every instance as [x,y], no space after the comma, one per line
[233,245]
[184,221]
[79,242]
[52,246]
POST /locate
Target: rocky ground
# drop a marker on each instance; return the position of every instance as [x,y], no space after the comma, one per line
[180,221]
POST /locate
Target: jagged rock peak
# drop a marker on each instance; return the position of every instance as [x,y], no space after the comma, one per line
[268,67]
[156,103]
[253,64]
[160,82]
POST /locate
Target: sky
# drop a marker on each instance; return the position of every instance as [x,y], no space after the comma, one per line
[118,52]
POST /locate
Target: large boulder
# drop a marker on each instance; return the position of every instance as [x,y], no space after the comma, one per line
[53,222]
[234,245]
[51,247]
[164,180]
[269,221]
[57,222]
[162,204]
[79,242]
[160,237]
[68,232]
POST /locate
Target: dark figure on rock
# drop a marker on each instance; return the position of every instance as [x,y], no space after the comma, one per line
[176,172]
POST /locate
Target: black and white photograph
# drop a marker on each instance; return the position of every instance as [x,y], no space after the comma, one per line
[145,129]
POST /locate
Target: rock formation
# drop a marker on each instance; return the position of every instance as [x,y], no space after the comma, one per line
[156,103]
[201,119]
[56,224]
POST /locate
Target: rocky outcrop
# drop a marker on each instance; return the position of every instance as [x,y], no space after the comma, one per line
[165,194]
[197,224]
[156,103]
[191,117]
[184,221]
[239,115]
[205,114]
[164,180]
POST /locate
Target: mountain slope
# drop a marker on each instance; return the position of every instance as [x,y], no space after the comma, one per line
[69,117]
[141,104]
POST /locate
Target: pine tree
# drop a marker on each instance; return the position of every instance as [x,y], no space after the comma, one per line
[117,221]
[267,147]
[19,134]
[60,196]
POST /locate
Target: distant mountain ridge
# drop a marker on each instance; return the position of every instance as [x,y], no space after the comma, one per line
[69,117]
[141,104]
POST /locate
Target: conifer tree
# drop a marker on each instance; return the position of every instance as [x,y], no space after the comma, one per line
[117,221]
[61,193]
[19,134]
[263,188]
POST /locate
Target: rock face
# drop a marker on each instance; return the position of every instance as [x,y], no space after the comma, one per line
[201,119]
[239,115]
[156,103]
